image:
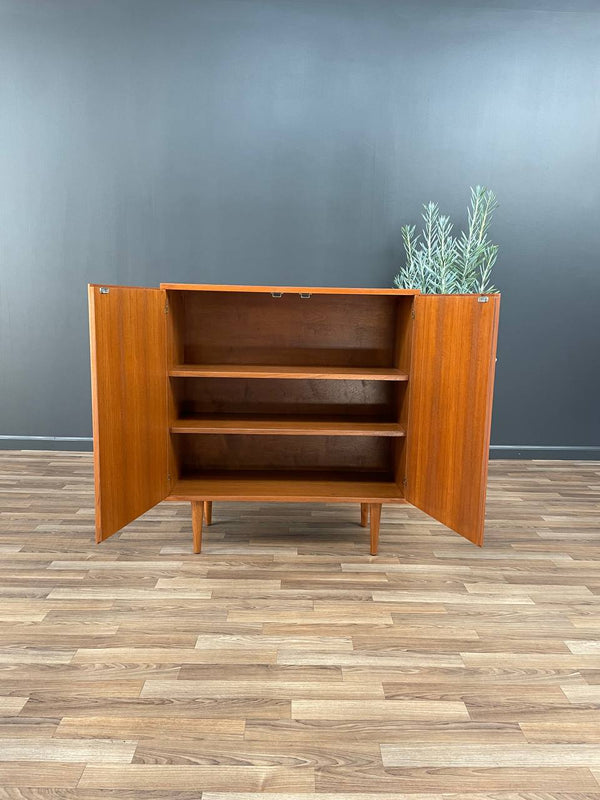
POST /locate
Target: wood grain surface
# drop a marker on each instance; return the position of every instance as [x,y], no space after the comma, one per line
[272,487]
[450,408]
[245,328]
[288,426]
[300,372]
[211,287]
[129,403]
[286,663]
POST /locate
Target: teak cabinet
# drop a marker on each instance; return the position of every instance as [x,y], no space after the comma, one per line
[216,393]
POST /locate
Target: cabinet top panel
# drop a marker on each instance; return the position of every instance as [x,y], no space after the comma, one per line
[208,287]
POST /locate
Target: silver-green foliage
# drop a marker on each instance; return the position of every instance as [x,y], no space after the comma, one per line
[439,263]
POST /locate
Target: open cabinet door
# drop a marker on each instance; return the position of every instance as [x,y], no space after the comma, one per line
[450,408]
[129,403]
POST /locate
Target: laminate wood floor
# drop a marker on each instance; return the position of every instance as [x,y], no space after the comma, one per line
[285,662]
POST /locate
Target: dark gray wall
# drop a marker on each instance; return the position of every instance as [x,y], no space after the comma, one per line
[259,141]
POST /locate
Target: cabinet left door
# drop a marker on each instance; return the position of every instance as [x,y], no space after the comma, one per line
[129,403]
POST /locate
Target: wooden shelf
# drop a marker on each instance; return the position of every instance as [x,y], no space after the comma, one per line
[286,426]
[299,372]
[336,487]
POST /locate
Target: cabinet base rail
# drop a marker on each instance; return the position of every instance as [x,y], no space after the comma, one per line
[202,510]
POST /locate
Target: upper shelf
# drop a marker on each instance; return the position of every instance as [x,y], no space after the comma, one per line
[208,287]
[298,372]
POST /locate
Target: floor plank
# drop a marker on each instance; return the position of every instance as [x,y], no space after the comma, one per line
[200,778]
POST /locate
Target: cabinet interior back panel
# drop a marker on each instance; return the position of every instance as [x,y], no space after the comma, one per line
[322,330]
[216,452]
[318,399]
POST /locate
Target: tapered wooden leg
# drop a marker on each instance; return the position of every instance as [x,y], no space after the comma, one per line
[208,511]
[375,512]
[197,512]
[364,514]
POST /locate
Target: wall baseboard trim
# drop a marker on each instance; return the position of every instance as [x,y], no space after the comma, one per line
[72,443]
[46,438]
[543,447]
[548,452]
[497,451]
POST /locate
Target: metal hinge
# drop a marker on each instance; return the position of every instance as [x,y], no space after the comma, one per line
[305,295]
[104,290]
[166,308]
[412,314]
[483,299]
[169,476]
[405,481]
[275,294]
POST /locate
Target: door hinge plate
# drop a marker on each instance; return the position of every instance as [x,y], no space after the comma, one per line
[412,314]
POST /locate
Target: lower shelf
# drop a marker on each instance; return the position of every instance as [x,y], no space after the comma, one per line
[282,488]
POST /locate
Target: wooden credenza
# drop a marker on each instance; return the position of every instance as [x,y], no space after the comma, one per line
[218,393]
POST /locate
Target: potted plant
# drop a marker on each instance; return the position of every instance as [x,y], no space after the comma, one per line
[437,262]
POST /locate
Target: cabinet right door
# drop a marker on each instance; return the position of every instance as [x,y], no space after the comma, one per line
[450,408]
